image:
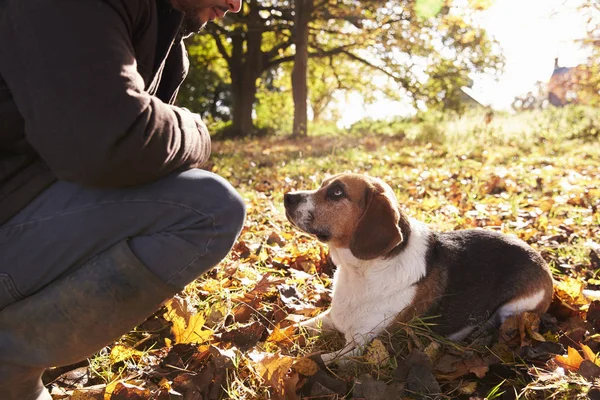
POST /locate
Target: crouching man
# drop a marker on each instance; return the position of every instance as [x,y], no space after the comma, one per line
[103,212]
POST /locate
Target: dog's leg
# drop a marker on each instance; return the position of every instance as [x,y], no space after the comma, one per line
[316,324]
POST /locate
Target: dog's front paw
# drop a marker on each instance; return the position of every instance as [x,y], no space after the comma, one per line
[317,324]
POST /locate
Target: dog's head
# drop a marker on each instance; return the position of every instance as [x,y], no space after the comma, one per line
[351,211]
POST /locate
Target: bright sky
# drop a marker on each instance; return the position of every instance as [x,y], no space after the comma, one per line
[531,32]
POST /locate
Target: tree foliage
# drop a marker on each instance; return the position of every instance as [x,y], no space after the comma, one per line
[589,84]
[393,48]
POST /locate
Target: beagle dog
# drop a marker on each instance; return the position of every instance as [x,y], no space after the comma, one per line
[391,268]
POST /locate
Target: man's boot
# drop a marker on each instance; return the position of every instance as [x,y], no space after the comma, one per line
[74,317]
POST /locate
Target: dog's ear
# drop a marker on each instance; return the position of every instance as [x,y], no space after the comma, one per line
[377,232]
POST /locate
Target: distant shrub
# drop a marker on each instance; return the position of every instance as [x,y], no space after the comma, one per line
[429,132]
[369,126]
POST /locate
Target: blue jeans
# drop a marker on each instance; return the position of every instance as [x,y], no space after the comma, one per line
[178,227]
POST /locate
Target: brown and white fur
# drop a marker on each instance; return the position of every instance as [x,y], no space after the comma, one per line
[391,268]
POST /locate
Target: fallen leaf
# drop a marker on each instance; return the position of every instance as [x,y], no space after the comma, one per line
[589,355]
[272,369]
[285,335]
[433,351]
[187,326]
[376,353]
[571,362]
[121,353]
[467,387]
[121,390]
[89,393]
[453,367]
[570,290]
[275,238]
[305,366]
[589,370]
[245,337]
[368,388]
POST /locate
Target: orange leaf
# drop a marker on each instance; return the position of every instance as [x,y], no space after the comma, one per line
[571,361]
[588,354]
[283,335]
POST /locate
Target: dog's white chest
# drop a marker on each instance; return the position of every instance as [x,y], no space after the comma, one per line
[366,300]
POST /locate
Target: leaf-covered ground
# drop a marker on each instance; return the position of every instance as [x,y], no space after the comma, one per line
[231,334]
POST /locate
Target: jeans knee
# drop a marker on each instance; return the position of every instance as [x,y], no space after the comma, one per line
[226,207]
[233,213]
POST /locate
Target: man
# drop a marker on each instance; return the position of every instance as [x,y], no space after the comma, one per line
[103,212]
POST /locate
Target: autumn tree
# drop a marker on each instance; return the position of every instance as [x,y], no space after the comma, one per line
[424,56]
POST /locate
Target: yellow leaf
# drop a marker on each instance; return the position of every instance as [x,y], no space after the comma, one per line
[570,291]
[121,353]
[165,384]
[589,355]
[132,389]
[282,335]
[272,369]
[110,388]
[305,366]
[468,388]
[433,351]
[377,354]
[187,327]
[193,332]
[571,361]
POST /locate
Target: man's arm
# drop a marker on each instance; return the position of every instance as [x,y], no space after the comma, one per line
[71,68]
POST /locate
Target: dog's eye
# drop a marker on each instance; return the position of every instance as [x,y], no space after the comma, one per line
[335,192]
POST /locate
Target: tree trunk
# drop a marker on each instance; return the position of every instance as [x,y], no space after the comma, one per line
[303,10]
[245,70]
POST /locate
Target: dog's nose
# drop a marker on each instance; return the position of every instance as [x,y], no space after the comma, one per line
[291,199]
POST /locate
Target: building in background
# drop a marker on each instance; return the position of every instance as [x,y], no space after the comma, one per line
[565,85]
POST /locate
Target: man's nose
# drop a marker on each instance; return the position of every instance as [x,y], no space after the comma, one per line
[234,5]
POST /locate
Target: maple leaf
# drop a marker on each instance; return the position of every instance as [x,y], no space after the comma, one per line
[572,361]
[187,326]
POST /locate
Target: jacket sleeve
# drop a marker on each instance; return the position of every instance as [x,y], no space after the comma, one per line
[71,68]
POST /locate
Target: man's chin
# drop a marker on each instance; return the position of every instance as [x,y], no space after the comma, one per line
[191,26]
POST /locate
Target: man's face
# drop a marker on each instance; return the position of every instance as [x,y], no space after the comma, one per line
[199,12]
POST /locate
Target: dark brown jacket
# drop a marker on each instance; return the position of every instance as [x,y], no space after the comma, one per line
[86,94]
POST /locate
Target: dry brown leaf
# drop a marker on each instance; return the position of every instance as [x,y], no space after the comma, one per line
[455,367]
[89,393]
[571,362]
[290,385]
[245,337]
[263,287]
